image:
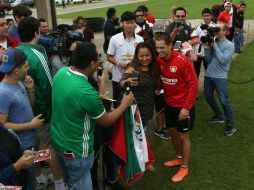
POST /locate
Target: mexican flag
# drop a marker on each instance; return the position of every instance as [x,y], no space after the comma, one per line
[130,144]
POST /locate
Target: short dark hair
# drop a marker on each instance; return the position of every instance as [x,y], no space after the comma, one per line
[42,20]
[139,10]
[2,15]
[206,11]
[81,18]
[9,20]
[128,16]
[145,8]
[242,4]
[180,9]
[165,37]
[84,54]
[27,28]
[111,12]
[21,11]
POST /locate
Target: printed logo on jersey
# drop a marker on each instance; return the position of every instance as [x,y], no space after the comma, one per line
[170,81]
[173,69]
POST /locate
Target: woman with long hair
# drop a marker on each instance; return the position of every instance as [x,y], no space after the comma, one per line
[144,79]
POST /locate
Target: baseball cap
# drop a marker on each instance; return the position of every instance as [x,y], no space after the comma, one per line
[158,27]
[227,3]
[12,57]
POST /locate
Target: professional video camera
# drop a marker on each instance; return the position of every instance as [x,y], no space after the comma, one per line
[58,42]
[210,33]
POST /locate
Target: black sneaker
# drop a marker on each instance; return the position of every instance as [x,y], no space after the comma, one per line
[229,131]
[165,130]
[215,120]
[114,186]
[162,134]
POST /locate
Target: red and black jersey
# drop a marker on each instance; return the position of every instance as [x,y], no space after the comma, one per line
[179,81]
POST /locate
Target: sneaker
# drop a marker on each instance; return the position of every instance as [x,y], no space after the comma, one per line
[150,168]
[229,131]
[180,175]
[172,163]
[41,186]
[162,134]
[114,186]
[215,120]
[165,130]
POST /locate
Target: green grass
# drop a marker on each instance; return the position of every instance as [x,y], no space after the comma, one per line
[217,162]
[160,8]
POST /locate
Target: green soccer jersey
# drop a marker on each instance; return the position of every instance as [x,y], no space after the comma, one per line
[75,106]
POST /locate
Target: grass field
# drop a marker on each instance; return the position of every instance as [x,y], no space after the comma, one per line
[217,162]
[160,8]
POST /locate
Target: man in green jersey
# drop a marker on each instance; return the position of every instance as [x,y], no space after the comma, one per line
[76,107]
[40,71]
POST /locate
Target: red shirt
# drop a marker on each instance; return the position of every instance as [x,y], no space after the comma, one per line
[150,18]
[179,81]
[12,43]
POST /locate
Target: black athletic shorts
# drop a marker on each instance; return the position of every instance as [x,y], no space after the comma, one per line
[159,103]
[172,120]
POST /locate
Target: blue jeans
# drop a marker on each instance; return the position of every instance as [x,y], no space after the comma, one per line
[220,85]
[238,40]
[77,172]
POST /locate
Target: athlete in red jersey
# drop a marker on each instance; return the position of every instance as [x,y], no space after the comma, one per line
[180,86]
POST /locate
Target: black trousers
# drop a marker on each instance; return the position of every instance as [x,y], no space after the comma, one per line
[197,65]
[102,136]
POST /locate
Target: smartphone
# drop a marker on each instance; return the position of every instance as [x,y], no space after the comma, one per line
[178,24]
[135,74]
[69,155]
[177,45]
[42,155]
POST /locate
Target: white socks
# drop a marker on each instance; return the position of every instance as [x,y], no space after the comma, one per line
[59,184]
[41,179]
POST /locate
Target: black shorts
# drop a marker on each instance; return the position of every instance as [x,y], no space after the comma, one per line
[159,102]
[172,121]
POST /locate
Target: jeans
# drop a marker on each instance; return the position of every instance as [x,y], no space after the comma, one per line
[77,172]
[220,85]
[239,39]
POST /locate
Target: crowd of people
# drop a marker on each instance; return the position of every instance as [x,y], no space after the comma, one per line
[67,109]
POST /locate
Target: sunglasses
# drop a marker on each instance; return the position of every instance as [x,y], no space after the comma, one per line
[180,16]
[139,15]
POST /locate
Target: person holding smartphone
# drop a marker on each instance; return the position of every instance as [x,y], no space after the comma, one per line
[179,30]
[144,79]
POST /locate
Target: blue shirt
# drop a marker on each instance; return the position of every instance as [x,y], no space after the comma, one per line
[14,101]
[13,32]
[219,59]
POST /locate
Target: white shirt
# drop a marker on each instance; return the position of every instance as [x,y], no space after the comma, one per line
[4,44]
[123,50]
[138,28]
[199,32]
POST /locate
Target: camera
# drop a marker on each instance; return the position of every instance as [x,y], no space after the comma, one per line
[210,33]
[100,67]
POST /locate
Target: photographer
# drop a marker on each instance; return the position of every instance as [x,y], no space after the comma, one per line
[218,56]
[197,34]
[180,31]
